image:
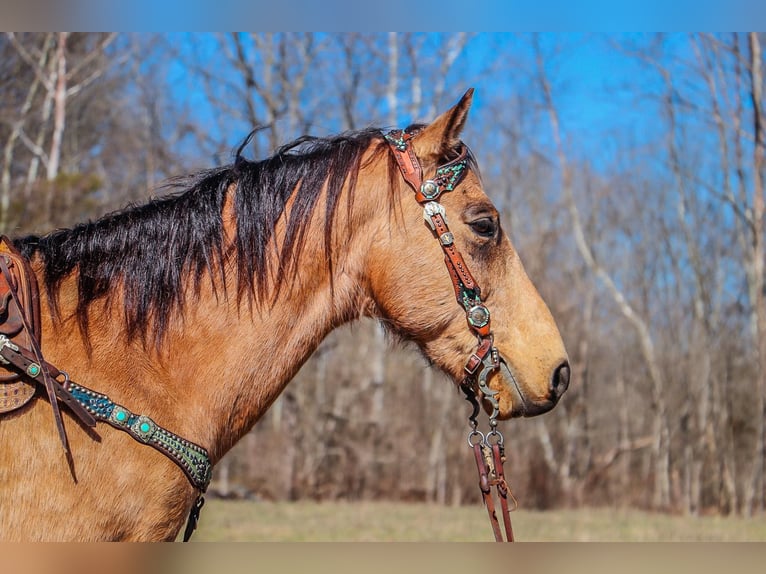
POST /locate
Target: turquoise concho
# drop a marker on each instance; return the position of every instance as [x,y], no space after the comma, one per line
[33,370]
[120,416]
[144,428]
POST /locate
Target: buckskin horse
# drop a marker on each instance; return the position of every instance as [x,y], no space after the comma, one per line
[180,321]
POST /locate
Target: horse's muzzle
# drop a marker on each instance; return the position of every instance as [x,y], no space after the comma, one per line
[526,407]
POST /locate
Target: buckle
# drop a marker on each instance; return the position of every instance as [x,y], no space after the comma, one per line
[431,209]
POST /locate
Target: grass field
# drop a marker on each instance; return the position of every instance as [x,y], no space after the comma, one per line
[382,521]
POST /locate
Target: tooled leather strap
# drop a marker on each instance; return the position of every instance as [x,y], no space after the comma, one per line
[25,363]
[88,405]
[405,157]
[190,457]
[467,292]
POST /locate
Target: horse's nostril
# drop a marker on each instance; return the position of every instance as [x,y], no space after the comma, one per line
[560,380]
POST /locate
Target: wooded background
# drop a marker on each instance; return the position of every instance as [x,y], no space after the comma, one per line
[629,171]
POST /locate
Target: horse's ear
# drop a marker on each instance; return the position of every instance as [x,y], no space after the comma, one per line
[443,134]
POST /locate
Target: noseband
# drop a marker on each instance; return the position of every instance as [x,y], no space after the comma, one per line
[485,360]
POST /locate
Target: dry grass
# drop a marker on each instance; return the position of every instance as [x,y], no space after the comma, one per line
[382,521]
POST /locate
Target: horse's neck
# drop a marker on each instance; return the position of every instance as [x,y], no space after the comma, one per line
[222,364]
[238,359]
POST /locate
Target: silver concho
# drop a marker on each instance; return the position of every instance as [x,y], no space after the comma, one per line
[478,316]
[429,189]
[447,238]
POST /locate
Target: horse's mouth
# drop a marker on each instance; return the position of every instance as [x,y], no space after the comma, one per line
[510,391]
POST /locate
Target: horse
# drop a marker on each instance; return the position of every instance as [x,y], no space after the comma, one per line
[198,307]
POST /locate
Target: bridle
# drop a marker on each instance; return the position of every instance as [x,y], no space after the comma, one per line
[485,360]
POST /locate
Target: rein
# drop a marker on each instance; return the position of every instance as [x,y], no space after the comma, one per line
[485,360]
[89,406]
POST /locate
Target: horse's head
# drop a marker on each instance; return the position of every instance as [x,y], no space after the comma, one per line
[415,295]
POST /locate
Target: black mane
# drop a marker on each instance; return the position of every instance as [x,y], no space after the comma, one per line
[153,250]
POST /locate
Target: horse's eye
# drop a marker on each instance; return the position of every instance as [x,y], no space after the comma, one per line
[485,227]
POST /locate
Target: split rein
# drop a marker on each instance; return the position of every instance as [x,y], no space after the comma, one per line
[488,449]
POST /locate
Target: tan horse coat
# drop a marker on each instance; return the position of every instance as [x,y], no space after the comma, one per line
[224,362]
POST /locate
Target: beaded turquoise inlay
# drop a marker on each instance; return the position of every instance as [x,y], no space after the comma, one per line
[192,458]
[33,370]
[451,174]
[397,139]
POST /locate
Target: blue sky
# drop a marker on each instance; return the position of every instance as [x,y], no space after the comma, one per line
[594,84]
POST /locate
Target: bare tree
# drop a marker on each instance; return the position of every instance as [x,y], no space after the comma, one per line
[660,432]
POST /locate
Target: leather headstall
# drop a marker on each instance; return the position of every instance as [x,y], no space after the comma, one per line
[486,358]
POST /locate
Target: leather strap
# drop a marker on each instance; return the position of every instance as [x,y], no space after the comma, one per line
[453,257]
[19,358]
[489,462]
[406,158]
[191,523]
[467,291]
[190,457]
[47,380]
[89,406]
[486,490]
[502,489]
